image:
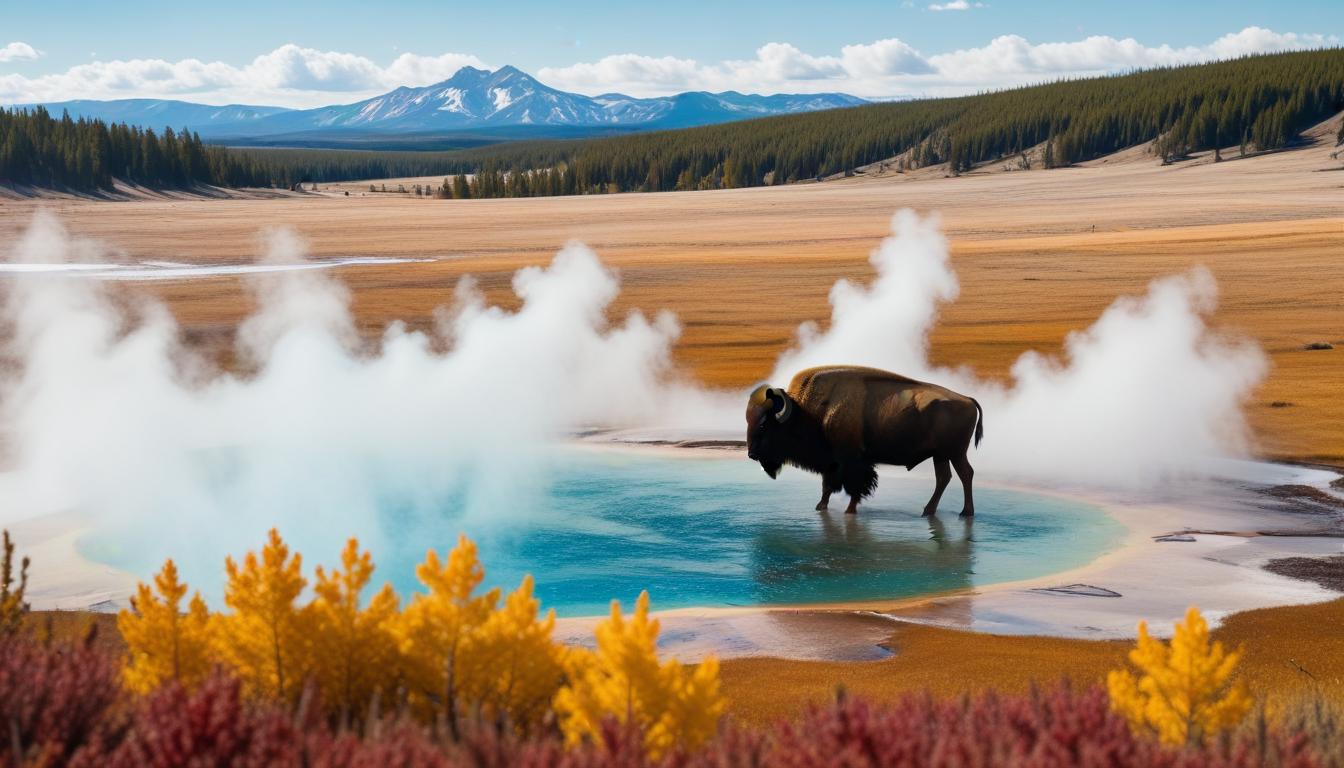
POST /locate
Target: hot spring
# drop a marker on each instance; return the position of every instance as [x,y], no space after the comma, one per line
[694,530]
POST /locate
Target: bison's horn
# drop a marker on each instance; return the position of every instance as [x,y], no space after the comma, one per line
[785,404]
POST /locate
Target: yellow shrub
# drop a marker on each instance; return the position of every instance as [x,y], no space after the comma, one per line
[466,656]
[162,642]
[524,662]
[354,652]
[458,653]
[1183,693]
[438,630]
[12,605]
[266,637]
[624,679]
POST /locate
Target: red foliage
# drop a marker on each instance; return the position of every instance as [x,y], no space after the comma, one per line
[64,705]
[210,726]
[53,699]
[1059,729]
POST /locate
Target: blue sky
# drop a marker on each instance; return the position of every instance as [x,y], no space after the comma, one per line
[340,50]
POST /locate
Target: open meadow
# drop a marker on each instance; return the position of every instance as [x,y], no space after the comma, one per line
[1038,254]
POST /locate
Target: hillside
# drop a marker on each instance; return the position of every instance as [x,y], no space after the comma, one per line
[1240,107]
[1249,104]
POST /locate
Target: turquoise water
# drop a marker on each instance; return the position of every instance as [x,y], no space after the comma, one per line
[694,531]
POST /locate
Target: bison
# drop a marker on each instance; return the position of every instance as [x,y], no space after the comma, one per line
[842,421]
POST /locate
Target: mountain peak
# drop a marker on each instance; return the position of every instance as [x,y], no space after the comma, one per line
[474,98]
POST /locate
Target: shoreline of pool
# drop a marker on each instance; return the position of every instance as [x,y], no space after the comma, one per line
[1233,529]
[1218,568]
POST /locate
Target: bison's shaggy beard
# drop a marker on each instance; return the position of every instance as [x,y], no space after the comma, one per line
[772,468]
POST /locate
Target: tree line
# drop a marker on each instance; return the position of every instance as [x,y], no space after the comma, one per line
[40,150]
[1251,104]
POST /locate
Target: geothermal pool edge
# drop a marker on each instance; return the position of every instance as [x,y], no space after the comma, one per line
[1101,599]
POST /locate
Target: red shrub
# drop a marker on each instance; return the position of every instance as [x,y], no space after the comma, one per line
[64,705]
[53,699]
[210,726]
[1059,729]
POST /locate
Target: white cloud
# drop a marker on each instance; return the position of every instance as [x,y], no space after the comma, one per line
[292,75]
[884,57]
[1261,40]
[955,5]
[18,51]
[892,68]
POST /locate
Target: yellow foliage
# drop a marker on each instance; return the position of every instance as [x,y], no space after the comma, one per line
[164,643]
[266,637]
[354,653]
[464,655]
[458,653]
[524,664]
[438,630]
[1183,693]
[12,605]
[624,679]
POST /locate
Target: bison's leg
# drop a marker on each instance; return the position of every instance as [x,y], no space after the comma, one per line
[942,475]
[965,473]
[858,481]
[830,483]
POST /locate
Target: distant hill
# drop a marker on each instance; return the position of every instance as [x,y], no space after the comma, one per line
[159,113]
[1239,106]
[1249,104]
[471,100]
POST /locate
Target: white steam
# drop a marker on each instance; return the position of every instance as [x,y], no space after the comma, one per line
[1148,391]
[104,409]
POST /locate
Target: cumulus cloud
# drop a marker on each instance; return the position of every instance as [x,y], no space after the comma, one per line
[893,68]
[290,75]
[888,68]
[18,51]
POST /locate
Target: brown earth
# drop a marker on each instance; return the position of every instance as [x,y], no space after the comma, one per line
[1288,652]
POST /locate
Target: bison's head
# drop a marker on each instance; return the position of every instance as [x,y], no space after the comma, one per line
[768,410]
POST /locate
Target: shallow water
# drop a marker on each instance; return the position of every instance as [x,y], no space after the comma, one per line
[695,531]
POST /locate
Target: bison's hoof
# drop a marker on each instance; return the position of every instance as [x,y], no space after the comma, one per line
[968,513]
[821,506]
[930,511]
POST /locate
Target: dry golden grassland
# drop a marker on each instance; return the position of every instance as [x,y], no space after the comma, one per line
[1039,253]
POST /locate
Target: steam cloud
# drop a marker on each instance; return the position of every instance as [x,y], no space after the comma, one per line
[106,411]
[1148,391]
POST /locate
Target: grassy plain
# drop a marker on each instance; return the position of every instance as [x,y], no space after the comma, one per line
[1039,253]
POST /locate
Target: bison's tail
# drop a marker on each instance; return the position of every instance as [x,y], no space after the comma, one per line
[979,422]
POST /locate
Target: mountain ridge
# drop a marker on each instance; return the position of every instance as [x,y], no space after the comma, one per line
[471,99]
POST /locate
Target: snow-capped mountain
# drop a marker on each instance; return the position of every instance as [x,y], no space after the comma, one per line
[471,99]
[476,98]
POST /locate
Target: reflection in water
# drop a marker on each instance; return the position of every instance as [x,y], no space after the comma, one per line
[693,531]
[853,555]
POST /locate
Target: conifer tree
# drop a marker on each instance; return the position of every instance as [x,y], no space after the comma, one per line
[266,638]
[163,643]
[354,649]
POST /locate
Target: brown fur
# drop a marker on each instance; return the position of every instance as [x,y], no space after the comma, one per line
[847,419]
